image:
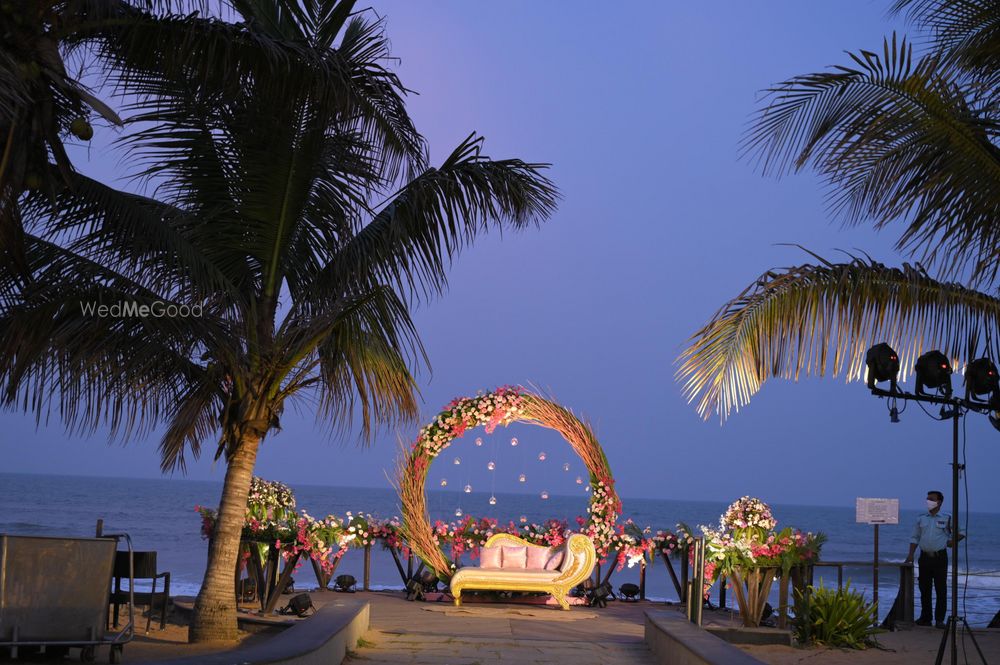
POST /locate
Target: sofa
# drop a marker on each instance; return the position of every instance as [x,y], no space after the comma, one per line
[576,564]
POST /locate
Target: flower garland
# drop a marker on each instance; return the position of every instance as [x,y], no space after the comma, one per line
[503,406]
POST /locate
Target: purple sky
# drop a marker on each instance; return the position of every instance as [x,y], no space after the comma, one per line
[640,112]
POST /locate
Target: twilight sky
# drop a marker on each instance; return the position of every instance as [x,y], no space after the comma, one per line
[640,111]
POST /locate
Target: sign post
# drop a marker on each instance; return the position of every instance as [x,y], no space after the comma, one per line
[876,512]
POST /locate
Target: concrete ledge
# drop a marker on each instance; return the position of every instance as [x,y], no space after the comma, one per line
[323,639]
[752,635]
[676,641]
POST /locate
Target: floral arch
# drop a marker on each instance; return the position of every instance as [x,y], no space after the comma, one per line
[503,406]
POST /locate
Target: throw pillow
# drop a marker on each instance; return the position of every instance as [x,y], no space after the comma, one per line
[554,560]
[490,557]
[514,557]
[537,556]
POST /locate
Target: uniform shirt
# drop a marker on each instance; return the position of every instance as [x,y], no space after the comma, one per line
[932,532]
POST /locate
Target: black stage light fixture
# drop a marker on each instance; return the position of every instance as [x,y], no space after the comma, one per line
[933,370]
[629,591]
[345,583]
[981,378]
[883,365]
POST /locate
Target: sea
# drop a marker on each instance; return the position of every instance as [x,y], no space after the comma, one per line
[159,514]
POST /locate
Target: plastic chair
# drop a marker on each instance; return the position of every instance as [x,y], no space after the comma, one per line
[143,568]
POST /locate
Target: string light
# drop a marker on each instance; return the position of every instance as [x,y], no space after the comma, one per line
[579,480]
[522,478]
[444,482]
[479,441]
[541,456]
[493,501]
[524,520]
[545,494]
[566,466]
[468,489]
[513,441]
[458,460]
[491,465]
[458,512]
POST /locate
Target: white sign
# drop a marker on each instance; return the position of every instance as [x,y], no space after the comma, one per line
[877,511]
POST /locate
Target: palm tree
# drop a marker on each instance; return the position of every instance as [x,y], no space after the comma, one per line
[297,213]
[44,103]
[901,139]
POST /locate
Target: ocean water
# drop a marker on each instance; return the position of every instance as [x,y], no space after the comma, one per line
[159,515]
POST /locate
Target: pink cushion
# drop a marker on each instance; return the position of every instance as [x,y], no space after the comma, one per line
[537,556]
[514,557]
[554,560]
[490,557]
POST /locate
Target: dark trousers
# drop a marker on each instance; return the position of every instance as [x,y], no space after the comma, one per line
[933,572]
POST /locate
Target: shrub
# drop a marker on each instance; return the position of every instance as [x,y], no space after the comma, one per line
[834,617]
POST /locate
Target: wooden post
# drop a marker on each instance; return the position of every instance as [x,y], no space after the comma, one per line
[673,576]
[399,565]
[722,591]
[783,600]
[642,580]
[368,566]
[409,565]
[875,576]
[100,529]
[684,575]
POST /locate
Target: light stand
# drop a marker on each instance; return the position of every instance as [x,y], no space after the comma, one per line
[956,404]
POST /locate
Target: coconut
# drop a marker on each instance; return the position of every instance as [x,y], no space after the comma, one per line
[82,129]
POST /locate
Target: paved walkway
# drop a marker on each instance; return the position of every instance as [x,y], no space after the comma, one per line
[480,633]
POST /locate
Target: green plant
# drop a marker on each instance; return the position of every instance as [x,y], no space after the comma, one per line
[834,617]
[365,644]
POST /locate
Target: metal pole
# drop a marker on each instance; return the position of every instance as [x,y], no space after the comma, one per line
[875,576]
[953,624]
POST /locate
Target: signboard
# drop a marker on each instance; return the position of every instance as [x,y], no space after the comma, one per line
[877,511]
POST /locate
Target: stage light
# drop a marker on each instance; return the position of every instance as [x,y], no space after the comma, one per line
[883,365]
[629,591]
[981,378]
[933,370]
[345,583]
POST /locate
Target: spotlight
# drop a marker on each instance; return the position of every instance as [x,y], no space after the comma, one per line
[893,415]
[883,365]
[933,370]
[345,583]
[629,591]
[981,378]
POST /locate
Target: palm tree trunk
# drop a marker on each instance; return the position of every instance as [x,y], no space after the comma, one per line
[215,609]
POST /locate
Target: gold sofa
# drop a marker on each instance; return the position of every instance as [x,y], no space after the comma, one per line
[577,564]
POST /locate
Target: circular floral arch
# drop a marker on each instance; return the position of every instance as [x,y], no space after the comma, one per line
[503,406]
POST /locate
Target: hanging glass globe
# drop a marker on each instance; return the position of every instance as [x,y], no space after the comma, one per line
[566,466]
[545,494]
[458,460]
[541,456]
[579,480]
[513,441]
[479,440]
[491,465]
[468,489]
[521,478]
[587,488]
[458,512]
[524,520]
[444,482]
[493,501]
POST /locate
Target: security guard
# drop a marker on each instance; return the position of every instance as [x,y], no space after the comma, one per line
[933,535]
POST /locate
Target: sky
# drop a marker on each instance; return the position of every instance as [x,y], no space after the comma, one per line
[639,107]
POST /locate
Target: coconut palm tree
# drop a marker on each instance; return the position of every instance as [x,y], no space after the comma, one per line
[49,53]
[294,221]
[902,139]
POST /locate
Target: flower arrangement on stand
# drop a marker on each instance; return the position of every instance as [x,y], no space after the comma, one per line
[746,550]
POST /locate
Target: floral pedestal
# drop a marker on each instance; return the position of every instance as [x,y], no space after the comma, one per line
[752,586]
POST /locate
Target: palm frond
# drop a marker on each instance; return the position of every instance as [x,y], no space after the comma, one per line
[412,240]
[897,140]
[810,319]
[966,32]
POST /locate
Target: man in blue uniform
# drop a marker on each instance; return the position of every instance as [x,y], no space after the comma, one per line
[932,534]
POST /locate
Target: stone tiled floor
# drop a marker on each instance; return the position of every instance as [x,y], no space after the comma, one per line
[416,633]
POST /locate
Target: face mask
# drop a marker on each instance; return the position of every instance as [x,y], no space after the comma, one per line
[931,505]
